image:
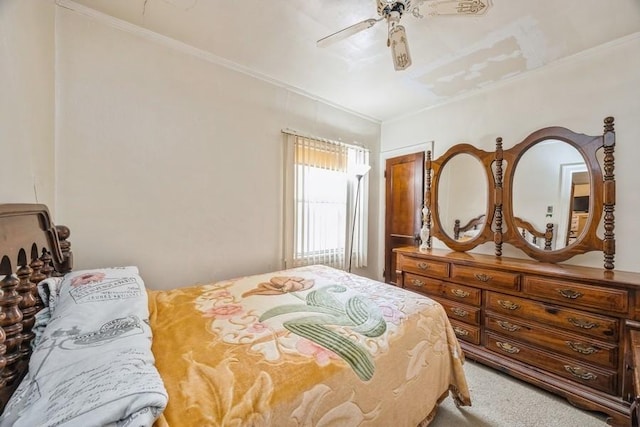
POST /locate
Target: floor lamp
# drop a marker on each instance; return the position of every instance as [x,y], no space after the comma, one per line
[359,171]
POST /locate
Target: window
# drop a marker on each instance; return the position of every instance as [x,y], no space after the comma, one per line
[320,191]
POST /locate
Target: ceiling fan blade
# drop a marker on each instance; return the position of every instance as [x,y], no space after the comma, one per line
[347,32]
[452,7]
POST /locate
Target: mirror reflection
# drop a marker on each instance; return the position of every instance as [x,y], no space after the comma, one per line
[462,197]
[551,195]
[534,237]
[469,230]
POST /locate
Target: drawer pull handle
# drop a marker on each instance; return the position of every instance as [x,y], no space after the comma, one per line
[581,323]
[459,312]
[504,346]
[508,305]
[483,277]
[423,265]
[568,293]
[580,373]
[582,349]
[460,293]
[508,326]
[418,283]
[459,331]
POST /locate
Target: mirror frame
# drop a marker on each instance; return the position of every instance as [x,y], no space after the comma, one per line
[500,214]
[435,167]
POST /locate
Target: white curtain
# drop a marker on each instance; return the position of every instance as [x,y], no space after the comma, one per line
[319,201]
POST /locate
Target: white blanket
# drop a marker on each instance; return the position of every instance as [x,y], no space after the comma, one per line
[92,365]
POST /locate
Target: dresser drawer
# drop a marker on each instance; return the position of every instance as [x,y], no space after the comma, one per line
[424,267]
[597,378]
[575,321]
[466,332]
[422,284]
[577,294]
[485,277]
[589,350]
[435,287]
[463,312]
[461,293]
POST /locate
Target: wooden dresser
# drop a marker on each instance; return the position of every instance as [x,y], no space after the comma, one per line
[559,327]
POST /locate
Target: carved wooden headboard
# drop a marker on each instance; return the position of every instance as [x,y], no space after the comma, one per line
[473,224]
[524,226]
[32,249]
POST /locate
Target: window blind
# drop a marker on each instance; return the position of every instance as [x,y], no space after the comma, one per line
[319,203]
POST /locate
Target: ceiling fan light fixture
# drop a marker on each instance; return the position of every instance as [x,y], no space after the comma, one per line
[399,48]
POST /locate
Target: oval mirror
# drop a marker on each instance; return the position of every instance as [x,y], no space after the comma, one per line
[462,197]
[551,195]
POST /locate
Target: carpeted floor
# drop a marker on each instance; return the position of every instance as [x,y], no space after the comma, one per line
[499,400]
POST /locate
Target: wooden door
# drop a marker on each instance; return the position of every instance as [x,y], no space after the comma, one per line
[404,186]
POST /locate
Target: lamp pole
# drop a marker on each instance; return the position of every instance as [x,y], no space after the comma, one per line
[353,224]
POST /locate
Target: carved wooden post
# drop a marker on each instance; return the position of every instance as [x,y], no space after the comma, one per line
[3,351]
[426,214]
[456,229]
[609,244]
[65,246]
[47,268]
[548,236]
[36,275]
[27,290]
[11,322]
[497,232]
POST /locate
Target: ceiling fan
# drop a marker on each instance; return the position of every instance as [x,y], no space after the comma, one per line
[393,10]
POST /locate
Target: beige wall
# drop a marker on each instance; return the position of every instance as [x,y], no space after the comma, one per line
[173,163]
[27,101]
[143,132]
[577,93]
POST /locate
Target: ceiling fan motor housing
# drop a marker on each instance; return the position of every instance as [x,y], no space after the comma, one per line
[400,6]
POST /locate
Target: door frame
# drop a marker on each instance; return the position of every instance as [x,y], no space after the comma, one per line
[566,200]
[384,155]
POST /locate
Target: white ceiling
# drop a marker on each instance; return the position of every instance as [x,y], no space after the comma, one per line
[452,56]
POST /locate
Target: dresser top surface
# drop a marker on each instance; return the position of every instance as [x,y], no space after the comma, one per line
[566,271]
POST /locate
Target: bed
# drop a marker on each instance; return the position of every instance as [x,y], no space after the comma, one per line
[470,230]
[528,232]
[311,346]
[533,236]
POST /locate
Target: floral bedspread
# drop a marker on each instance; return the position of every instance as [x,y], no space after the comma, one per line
[311,346]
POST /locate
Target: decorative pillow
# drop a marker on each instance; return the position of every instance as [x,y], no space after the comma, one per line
[92,364]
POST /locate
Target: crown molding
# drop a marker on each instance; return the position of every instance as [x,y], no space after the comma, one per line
[190,50]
